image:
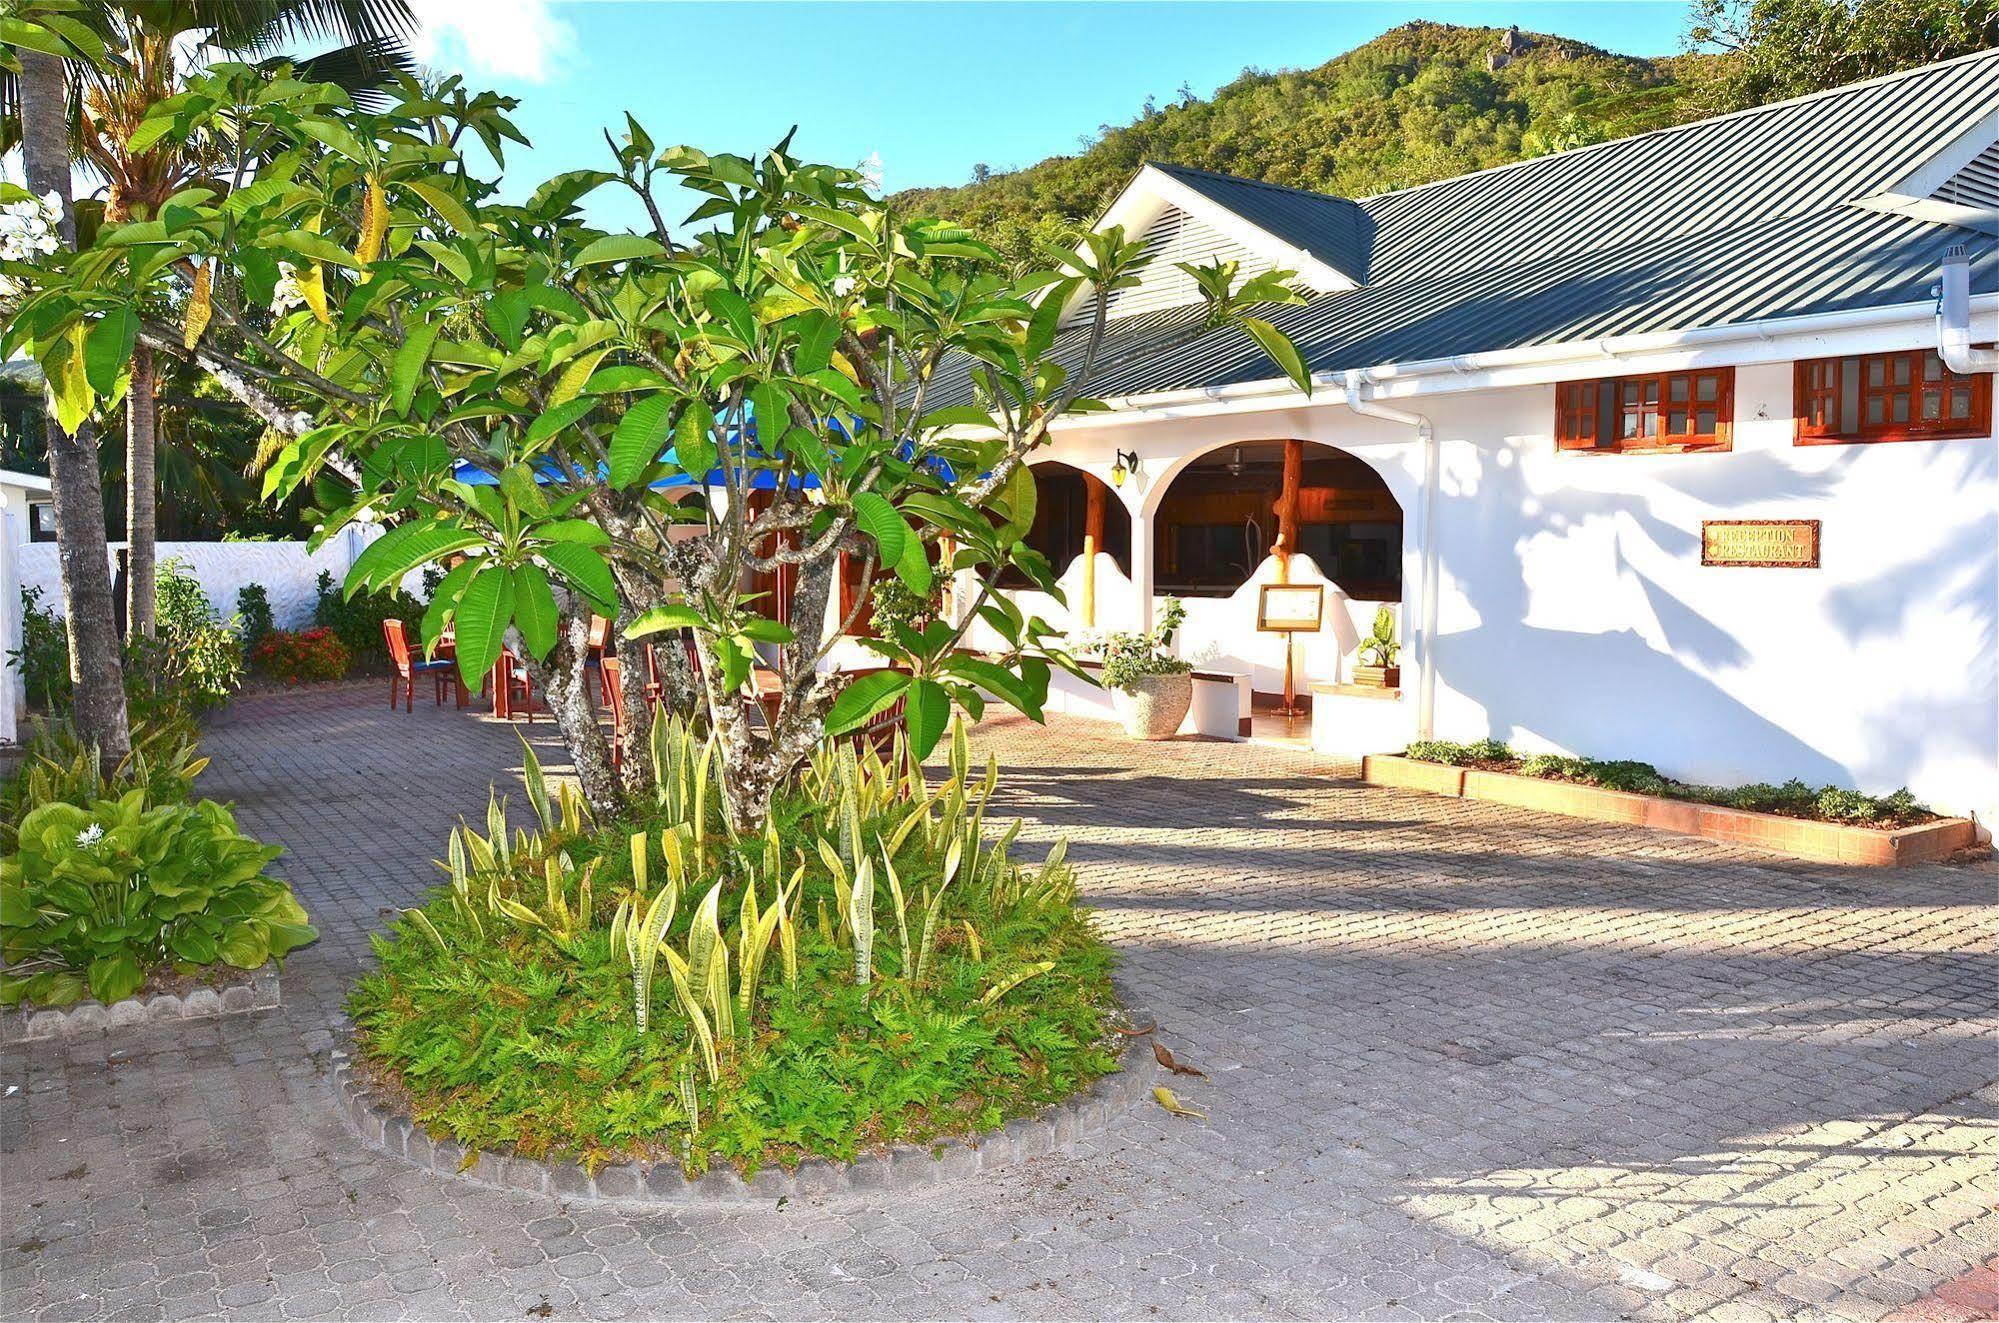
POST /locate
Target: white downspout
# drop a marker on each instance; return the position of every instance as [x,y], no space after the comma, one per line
[1954,318]
[1426,633]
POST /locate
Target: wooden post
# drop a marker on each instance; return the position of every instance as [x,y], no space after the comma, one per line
[1093,538]
[1287,508]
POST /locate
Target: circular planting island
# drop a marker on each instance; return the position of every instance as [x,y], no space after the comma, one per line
[868,993]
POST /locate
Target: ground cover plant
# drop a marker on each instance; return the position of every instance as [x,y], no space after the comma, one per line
[867,969]
[1792,799]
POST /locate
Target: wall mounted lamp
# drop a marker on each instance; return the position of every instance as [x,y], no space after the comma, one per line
[1127,462]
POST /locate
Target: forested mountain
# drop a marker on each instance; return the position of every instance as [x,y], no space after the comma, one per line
[1424,101]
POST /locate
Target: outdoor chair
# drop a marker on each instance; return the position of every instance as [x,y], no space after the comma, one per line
[512,686]
[598,645]
[442,670]
[614,698]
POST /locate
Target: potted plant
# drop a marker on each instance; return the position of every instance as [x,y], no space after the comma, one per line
[1150,687]
[1377,654]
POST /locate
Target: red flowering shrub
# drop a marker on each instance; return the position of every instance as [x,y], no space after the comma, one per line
[304,657]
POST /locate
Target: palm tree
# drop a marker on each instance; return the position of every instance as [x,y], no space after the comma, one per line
[95,667]
[153,44]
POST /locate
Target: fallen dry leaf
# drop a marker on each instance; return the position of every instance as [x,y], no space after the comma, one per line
[1136,1033]
[1173,1063]
[1171,1102]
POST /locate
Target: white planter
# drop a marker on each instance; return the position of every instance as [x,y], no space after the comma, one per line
[1155,705]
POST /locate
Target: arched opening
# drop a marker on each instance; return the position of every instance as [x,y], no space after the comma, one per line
[1219,519]
[1070,506]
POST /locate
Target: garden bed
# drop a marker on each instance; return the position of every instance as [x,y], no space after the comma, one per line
[871,972]
[1494,781]
[379,1114]
[168,996]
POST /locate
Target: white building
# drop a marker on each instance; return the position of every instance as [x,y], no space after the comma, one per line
[1537,389]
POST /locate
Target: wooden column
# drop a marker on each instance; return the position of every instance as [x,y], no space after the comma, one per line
[1093,539]
[1287,508]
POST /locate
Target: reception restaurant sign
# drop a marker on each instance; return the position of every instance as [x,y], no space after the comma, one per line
[1770,543]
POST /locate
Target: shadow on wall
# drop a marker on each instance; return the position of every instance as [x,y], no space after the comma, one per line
[1616,693]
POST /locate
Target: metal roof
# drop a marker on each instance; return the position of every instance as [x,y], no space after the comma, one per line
[1741,218]
[1335,230]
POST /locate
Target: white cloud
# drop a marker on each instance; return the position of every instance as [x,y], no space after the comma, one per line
[518,39]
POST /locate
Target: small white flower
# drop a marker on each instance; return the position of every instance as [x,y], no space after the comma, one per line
[90,835]
[286,295]
[843,286]
[871,172]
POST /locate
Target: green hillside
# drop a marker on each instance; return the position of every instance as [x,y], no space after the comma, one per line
[1417,103]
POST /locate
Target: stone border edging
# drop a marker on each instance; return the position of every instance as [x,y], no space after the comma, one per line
[263,992]
[904,1167]
[1822,842]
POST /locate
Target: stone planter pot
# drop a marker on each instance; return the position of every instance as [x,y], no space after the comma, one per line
[1155,705]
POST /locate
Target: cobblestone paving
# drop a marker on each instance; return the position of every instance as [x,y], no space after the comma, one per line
[1465,1062]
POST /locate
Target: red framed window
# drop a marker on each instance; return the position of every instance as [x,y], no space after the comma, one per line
[1904,396]
[1664,412]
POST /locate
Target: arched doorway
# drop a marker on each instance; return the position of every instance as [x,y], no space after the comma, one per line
[1076,513]
[1221,517]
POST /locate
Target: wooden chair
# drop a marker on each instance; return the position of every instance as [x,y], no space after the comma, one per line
[443,671]
[614,698]
[598,644]
[511,684]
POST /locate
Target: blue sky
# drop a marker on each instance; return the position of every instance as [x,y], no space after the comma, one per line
[931,88]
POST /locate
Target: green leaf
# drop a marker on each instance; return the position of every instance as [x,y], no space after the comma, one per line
[443,203]
[929,712]
[623,377]
[1021,496]
[662,618]
[115,977]
[192,945]
[694,440]
[618,248]
[315,246]
[484,610]
[913,567]
[108,347]
[641,435]
[403,548]
[882,522]
[534,609]
[1048,316]
[862,699]
[818,333]
[760,630]
[442,601]
[1282,352]
[247,945]
[411,358]
[557,419]
[586,572]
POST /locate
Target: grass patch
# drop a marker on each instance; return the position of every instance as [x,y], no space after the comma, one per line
[1792,799]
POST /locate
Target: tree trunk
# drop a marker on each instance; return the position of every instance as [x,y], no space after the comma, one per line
[565,682]
[142,412]
[95,664]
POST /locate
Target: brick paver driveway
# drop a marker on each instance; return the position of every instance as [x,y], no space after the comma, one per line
[1464,1061]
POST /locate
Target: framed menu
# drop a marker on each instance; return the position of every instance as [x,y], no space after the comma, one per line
[1290,608]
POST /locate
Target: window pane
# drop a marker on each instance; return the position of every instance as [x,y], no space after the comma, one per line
[1901,409]
[1705,423]
[1676,422]
[1960,402]
[1874,409]
[1708,388]
[1630,393]
[1849,396]
[1932,367]
[1932,405]
[1877,372]
[1901,371]
[1678,387]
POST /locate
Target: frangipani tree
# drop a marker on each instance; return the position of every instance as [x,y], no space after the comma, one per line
[519,395]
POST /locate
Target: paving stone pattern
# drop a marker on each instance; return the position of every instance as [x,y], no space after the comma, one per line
[1464,1061]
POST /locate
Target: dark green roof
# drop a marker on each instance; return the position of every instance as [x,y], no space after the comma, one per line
[1742,218]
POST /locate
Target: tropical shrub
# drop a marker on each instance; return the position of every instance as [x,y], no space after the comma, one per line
[1380,648]
[1130,654]
[195,662]
[96,896]
[869,969]
[309,656]
[253,613]
[43,657]
[357,621]
[1793,798]
[61,768]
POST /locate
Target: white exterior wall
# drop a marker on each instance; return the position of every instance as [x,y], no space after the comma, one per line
[288,571]
[1574,614]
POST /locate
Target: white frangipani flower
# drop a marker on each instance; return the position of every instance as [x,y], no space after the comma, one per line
[286,295]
